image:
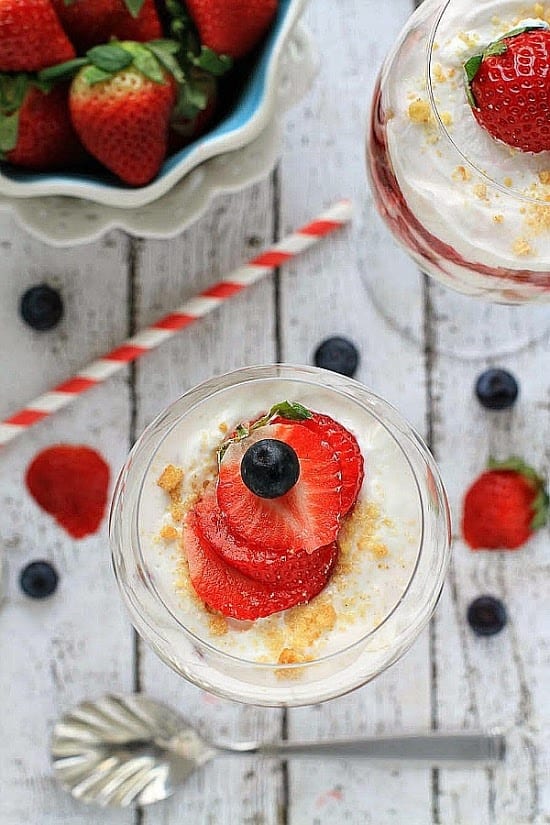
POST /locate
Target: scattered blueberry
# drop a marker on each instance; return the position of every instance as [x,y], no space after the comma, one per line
[41,307]
[337,354]
[496,389]
[39,579]
[270,468]
[486,616]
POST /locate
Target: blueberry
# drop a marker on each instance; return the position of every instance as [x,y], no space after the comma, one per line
[39,579]
[337,354]
[496,389]
[486,616]
[270,468]
[41,307]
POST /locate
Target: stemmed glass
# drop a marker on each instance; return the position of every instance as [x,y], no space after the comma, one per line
[472,212]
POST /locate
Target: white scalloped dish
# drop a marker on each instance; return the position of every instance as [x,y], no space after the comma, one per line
[248,115]
[65,221]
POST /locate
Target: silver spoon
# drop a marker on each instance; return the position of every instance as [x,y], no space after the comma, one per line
[125,750]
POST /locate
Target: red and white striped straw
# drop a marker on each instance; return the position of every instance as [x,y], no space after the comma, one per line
[191,311]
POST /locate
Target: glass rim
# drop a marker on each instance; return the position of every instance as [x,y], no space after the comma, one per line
[337,383]
[505,190]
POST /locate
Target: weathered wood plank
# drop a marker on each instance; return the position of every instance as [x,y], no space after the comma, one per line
[241,333]
[78,643]
[331,293]
[502,681]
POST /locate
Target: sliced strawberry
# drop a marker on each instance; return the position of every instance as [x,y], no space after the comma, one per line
[233,594]
[261,563]
[305,518]
[347,450]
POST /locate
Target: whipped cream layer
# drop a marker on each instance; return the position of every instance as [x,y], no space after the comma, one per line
[488,201]
[360,598]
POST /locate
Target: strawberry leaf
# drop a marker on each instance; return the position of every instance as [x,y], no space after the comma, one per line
[191,100]
[93,75]
[145,61]
[540,505]
[134,7]
[63,71]
[9,128]
[471,68]
[165,51]
[13,89]
[110,57]
[209,61]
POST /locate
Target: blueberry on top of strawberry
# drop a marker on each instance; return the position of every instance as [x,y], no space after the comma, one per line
[252,553]
[270,468]
[508,87]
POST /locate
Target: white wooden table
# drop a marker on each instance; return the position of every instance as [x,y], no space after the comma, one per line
[80,644]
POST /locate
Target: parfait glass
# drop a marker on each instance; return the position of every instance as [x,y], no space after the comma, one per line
[381,603]
[471,211]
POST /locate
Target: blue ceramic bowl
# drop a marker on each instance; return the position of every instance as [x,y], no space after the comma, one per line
[248,116]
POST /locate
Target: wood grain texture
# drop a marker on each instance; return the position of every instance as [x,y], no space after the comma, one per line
[411,336]
[78,643]
[242,332]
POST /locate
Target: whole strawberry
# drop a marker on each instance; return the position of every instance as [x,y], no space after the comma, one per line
[508,88]
[504,506]
[232,27]
[91,22]
[35,125]
[31,36]
[120,106]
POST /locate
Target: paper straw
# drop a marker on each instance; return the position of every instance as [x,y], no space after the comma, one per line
[192,310]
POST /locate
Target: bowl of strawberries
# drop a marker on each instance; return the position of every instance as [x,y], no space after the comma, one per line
[116,101]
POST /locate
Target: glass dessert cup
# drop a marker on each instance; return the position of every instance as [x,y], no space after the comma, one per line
[383,594]
[471,211]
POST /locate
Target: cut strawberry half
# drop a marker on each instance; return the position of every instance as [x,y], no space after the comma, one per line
[261,563]
[347,450]
[227,590]
[305,518]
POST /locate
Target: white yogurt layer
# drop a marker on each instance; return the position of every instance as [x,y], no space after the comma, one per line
[363,597]
[452,196]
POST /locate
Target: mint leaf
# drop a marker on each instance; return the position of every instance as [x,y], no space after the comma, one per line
[290,410]
[110,57]
[134,6]
[63,71]
[210,61]
[9,128]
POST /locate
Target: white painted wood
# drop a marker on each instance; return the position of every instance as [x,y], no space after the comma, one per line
[503,681]
[79,643]
[241,332]
[331,293]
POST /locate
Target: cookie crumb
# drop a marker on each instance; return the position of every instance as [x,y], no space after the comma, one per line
[169,533]
[521,247]
[461,174]
[170,481]
[419,111]
[544,176]
[508,182]
[480,191]
[218,625]
[498,218]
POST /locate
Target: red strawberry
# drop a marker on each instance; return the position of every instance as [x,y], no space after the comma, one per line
[307,517]
[232,27]
[70,482]
[89,22]
[258,562]
[509,86]
[122,117]
[233,594]
[35,126]
[504,506]
[345,446]
[31,36]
